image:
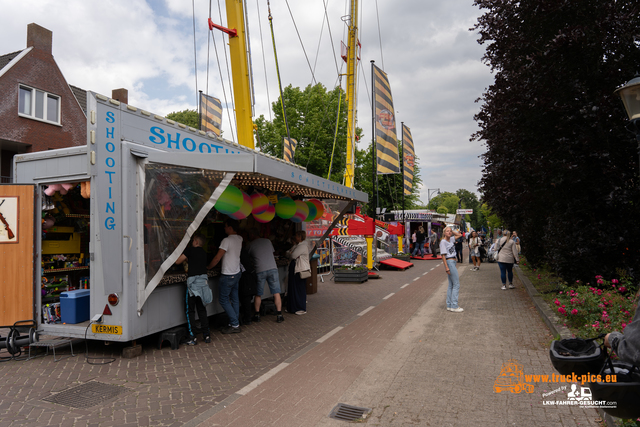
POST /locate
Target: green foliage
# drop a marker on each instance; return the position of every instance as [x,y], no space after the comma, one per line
[311,116]
[186,117]
[390,187]
[590,310]
[560,168]
[587,309]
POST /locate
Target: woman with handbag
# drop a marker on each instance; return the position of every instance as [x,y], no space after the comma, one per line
[474,250]
[516,239]
[299,271]
[507,256]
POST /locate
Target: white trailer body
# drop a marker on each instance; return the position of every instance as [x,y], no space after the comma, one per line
[122,142]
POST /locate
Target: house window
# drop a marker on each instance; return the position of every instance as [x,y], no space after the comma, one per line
[39,105]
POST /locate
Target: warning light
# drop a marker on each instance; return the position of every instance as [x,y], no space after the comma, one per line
[113,299]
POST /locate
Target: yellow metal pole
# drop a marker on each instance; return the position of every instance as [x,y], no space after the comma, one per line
[369,240]
[240,73]
[352,72]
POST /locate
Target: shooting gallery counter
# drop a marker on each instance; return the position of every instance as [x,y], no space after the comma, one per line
[172,279]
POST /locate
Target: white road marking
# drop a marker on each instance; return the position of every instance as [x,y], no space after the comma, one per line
[390,295]
[362,313]
[262,379]
[330,334]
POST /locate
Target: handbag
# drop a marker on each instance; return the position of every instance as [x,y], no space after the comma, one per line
[305,274]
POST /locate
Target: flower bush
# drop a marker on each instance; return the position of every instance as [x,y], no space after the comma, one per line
[590,310]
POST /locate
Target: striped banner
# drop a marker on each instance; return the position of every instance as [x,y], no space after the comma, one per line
[409,157]
[210,114]
[386,139]
[289,149]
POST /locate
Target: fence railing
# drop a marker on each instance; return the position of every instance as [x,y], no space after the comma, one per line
[6,180]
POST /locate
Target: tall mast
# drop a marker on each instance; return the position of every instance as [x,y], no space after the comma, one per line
[352,73]
[240,73]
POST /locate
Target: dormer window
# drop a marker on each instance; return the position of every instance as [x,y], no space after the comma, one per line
[39,105]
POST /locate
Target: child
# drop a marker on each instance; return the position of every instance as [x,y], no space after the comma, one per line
[198,293]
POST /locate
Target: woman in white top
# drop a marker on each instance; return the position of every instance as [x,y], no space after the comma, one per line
[448,253]
[297,286]
[474,248]
[507,256]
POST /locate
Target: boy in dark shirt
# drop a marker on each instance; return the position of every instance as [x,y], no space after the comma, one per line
[198,293]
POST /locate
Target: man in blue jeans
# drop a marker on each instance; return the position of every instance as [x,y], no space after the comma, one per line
[261,250]
[229,253]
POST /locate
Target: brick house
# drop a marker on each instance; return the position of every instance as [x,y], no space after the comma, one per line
[39,110]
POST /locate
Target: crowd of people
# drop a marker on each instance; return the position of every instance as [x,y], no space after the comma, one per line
[246,265]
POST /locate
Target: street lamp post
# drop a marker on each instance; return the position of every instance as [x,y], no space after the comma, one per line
[630,95]
[429,193]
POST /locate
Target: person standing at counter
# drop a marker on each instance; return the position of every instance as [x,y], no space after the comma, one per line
[198,291]
[261,250]
[229,253]
[297,286]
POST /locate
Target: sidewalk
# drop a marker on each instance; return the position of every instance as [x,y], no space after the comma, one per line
[386,344]
[414,363]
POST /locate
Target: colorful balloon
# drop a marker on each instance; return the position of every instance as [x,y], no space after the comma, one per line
[245,209]
[285,208]
[260,203]
[313,211]
[319,208]
[229,201]
[267,215]
[302,211]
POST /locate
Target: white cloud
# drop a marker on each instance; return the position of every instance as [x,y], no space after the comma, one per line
[433,61]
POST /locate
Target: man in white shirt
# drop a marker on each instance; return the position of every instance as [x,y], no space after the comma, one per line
[229,253]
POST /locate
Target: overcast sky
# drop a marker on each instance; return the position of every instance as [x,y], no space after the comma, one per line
[425,47]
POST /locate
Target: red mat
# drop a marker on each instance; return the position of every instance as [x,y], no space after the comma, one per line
[396,263]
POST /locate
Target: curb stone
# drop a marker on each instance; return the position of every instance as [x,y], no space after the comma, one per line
[556,327]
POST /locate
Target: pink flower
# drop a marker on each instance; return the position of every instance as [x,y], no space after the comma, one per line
[622,289]
[614,280]
[598,277]
[577,281]
[574,311]
[557,302]
[624,325]
[538,277]
[600,281]
[561,310]
[599,292]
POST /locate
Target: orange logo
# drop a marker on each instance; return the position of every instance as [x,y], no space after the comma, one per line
[512,378]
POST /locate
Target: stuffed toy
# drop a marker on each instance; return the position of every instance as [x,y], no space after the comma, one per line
[61,188]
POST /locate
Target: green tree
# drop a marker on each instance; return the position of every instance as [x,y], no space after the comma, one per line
[390,187]
[311,116]
[446,199]
[560,167]
[186,117]
[470,201]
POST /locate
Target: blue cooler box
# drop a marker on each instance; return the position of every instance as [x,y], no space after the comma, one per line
[74,306]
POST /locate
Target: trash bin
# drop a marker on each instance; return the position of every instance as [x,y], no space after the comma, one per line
[312,282]
[74,306]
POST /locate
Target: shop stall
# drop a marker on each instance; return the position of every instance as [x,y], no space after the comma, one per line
[113,216]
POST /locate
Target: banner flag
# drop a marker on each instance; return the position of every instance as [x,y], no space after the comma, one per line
[210,114]
[409,158]
[289,149]
[386,139]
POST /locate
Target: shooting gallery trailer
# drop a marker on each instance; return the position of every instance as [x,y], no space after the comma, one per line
[112,217]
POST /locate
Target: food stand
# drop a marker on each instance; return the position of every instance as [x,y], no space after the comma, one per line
[127,204]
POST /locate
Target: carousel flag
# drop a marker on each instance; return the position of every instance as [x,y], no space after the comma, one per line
[210,114]
[289,149]
[386,138]
[409,158]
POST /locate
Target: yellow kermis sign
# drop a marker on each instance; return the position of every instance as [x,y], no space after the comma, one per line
[106,329]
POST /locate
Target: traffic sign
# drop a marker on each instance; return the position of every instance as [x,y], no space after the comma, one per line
[464,211]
